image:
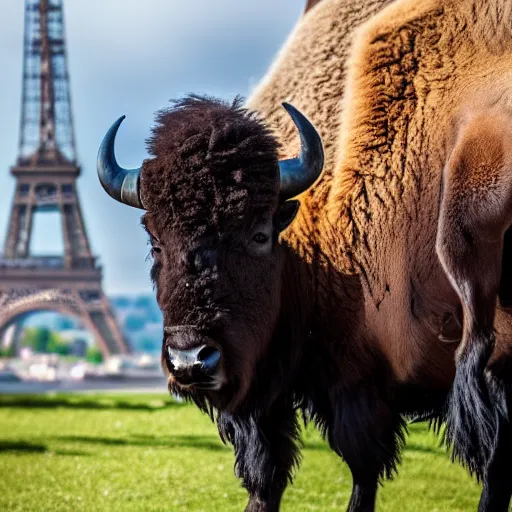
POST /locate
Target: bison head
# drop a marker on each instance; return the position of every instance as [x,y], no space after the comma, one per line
[216,198]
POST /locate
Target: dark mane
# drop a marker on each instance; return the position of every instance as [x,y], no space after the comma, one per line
[216,162]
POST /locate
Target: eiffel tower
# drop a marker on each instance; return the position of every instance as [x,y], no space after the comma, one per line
[46,172]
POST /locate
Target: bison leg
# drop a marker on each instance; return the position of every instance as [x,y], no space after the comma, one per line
[497,480]
[368,434]
[476,210]
[266,452]
[364,493]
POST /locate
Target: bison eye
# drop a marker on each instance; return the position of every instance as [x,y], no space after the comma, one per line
[260,238]
[155,249]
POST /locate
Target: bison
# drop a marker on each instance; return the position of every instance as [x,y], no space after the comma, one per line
[377,294]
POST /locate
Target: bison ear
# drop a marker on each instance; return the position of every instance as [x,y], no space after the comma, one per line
[310,4]
[286,213]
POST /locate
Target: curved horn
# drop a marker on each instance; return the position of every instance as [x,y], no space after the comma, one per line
[298,174]
[121,184]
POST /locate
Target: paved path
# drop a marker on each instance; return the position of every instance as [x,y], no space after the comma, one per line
[157,385]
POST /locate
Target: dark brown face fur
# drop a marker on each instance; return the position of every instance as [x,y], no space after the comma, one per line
[211,192]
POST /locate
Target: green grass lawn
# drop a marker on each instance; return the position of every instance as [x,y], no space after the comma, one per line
[140,452]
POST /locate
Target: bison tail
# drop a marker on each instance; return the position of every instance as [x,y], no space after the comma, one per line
[475,409]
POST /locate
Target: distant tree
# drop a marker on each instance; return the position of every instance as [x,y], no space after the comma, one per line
[155,315]
[43,340]
[57,346]
[144,302]
[6,352]
[120,302]
[37,338]
[149,344]
[94,355]
[134,322]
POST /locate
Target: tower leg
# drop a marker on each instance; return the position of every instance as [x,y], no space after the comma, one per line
[103,322]
[11,336]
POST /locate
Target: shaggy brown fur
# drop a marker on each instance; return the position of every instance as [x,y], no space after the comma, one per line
[309,72]
[221,149]
[409,61]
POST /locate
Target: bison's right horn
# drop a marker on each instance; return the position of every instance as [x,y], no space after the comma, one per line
[298,174]
[121,184]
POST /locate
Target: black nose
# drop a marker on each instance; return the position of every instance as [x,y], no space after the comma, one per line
[195,365]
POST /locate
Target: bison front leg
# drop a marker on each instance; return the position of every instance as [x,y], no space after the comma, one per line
[266,452]
[497,481]
[476,211]
[368,433]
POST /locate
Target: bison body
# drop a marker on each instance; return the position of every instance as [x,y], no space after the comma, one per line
[385,296]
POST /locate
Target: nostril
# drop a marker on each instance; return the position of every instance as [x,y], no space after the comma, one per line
[209,357]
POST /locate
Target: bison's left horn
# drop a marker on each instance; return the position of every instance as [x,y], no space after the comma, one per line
[298,174]
[121,184]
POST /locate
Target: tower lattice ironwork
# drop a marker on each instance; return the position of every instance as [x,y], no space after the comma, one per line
[46,172]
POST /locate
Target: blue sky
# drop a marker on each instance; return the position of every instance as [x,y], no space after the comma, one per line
[130,57]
